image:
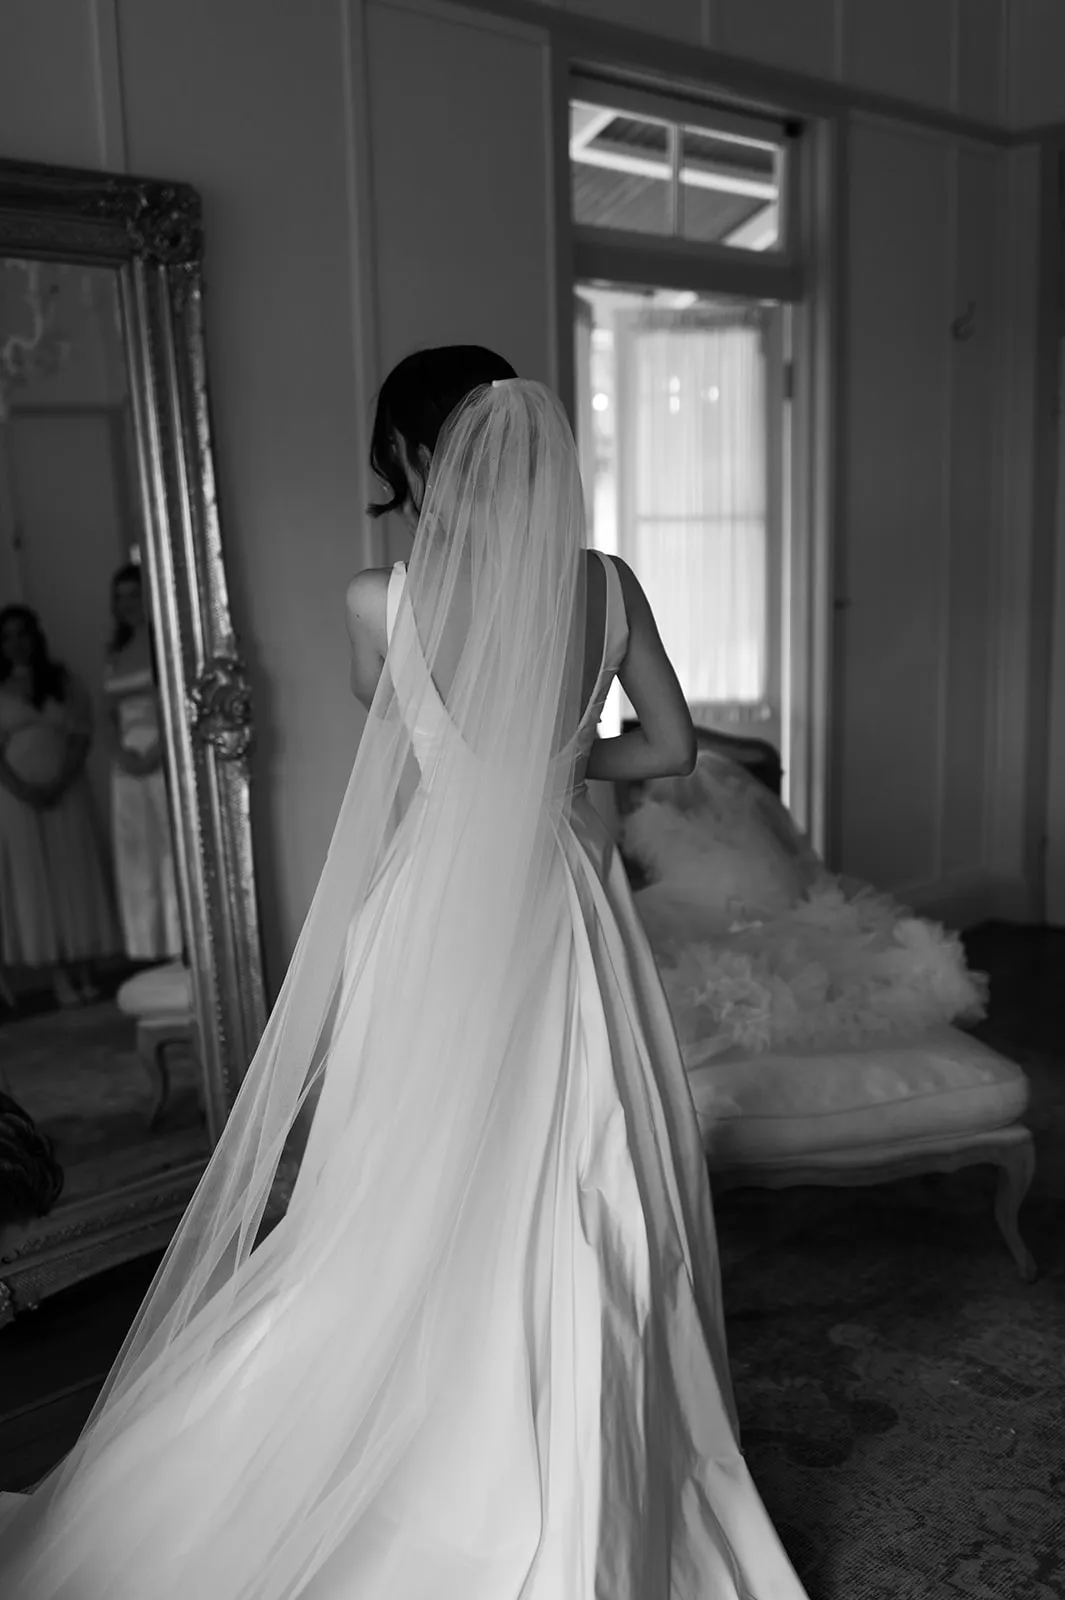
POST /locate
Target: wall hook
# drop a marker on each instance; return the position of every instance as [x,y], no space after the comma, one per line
[963,327]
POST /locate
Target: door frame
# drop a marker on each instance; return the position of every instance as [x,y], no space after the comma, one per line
[1054,858]
[811,281]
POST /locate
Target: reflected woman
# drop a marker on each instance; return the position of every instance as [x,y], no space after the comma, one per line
[140,807]
[56,908]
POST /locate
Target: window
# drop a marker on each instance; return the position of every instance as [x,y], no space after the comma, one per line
[703,302]
[680,418]
[644,174]
[685,276]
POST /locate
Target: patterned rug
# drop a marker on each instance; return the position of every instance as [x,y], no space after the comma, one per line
[79,1076]
[901,1391]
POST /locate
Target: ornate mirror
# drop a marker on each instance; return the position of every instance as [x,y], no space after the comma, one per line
[131,987]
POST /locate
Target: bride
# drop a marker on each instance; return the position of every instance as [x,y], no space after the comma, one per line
[482,1356]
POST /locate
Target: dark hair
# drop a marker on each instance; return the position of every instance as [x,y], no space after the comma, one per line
[416,400]
[121,632]
[48,678]
[31,1179]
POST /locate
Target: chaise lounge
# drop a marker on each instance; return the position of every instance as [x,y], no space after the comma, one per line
[860,1116]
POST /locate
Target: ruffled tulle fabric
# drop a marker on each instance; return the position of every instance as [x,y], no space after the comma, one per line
[760,948]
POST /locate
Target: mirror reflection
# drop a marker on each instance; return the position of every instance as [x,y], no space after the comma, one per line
[96,1029]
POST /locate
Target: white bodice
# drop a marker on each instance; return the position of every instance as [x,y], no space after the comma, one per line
[425,710]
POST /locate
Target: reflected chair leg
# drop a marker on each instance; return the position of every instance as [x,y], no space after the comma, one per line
[162,1073]
[1017,1169]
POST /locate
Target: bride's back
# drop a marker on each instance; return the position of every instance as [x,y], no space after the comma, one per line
[448,654]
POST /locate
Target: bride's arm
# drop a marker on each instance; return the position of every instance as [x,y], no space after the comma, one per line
[664,743]
[366,614]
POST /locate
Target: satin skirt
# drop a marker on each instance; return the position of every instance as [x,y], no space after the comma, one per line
[144,866]
[582,1444]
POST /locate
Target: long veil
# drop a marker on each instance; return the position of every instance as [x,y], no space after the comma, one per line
[319,1349]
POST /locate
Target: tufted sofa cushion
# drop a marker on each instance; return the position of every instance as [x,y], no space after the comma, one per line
[768,1107]
[159,992]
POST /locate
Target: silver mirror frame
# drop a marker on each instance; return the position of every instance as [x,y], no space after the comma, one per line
[151,234]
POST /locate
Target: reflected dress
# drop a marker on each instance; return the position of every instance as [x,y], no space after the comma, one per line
[140,823]
[56,903]
[583,1446]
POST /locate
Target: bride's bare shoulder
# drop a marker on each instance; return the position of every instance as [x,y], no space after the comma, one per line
[367,604]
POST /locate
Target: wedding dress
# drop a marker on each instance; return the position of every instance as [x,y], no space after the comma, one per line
[560,1424]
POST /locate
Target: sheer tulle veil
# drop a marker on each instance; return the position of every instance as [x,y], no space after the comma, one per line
[442,885]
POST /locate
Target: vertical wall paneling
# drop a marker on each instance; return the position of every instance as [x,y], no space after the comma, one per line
[839,39]
[1037,54]
[1055,854]
[1005,64]
[898,319]
[979,56]
[669,19]
[107,74]
[471,14]
[464,252]
[1011,562]
[956,9]
[49,106]
[959,325]
[972,525]
[902,49]
[1054,875]
[1044,491]
[800,38]
[360,210]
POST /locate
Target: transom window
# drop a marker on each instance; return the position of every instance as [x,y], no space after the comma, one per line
[639,173]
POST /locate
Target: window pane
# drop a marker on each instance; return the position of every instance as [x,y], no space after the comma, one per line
[729,190]
[621,170]
[643,174]
[673,420]
[697,512]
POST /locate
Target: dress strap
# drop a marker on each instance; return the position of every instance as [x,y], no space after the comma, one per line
[396,579]
[616,625]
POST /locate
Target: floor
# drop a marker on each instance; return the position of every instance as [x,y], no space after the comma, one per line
[901,1391]
[80,1075]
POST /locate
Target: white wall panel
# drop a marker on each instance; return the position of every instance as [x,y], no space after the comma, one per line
[1055,799]
[982,77]
[1037,62]
[799,38]
[1015,811]
[464,251]
[901,47]
[50,106]
[972,530]
[900,293]
[669,19]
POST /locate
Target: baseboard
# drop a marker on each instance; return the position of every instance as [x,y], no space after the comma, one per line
[965,899]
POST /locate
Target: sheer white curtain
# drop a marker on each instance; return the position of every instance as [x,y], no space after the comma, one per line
[692,493]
